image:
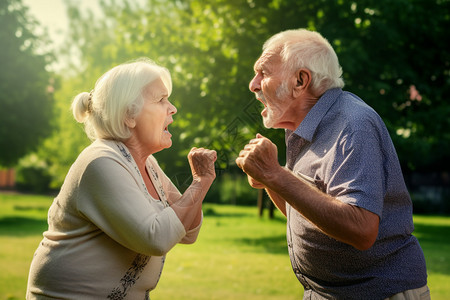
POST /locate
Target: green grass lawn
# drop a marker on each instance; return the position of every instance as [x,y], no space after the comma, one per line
[237,256]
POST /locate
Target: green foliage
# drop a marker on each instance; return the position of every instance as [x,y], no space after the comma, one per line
[32,175]
[232,188]
[389,50]
[60,150]
[25,85]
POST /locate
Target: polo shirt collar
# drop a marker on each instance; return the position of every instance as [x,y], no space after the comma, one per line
[309,125]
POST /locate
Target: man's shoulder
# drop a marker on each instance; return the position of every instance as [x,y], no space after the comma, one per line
[357,113]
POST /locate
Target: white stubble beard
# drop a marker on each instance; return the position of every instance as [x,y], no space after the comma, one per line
[281,92]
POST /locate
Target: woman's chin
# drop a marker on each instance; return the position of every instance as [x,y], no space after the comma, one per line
[168,144]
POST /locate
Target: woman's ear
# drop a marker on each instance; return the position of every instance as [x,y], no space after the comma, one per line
[131,123]
[303,80]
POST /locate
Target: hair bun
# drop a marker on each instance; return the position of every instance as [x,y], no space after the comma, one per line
[81,106]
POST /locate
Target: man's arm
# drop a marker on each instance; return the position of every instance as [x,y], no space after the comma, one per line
[279,202]
[344,222]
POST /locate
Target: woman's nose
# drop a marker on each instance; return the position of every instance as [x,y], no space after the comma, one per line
[172,109]
[255,84]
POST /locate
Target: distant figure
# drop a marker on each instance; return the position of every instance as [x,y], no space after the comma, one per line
[118,214]
[349,214]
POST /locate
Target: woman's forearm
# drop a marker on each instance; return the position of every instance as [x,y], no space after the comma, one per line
[188,207]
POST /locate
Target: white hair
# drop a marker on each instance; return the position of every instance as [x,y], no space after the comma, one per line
[117,96]
[302,48]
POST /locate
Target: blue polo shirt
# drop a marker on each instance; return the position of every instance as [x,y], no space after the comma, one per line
[345,148]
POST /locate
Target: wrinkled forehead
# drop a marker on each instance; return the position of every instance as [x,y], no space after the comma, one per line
[155,90]
[268,60]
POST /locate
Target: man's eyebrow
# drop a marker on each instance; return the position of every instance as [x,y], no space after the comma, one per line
[257,65]
[260,64]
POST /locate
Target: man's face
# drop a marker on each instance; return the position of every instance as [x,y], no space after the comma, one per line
[271,89]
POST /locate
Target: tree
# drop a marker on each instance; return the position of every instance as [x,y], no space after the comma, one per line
[395,57]
[210,47]
[25,85]
[207,48]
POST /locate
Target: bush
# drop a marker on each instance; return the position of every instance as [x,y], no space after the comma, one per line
[32,175]
[232,188]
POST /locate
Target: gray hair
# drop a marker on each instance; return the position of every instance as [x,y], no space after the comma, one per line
[117,96]
[302,48]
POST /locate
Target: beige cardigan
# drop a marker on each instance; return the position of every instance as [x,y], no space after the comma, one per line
[107,237]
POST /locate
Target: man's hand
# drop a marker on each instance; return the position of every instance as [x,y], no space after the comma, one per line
[259,159]
[255,184]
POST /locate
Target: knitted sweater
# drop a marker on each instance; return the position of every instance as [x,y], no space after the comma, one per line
[107,237]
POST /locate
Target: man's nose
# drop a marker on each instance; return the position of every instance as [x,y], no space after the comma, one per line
[255,84]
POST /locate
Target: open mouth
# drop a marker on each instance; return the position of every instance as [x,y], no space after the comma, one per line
[261,98]
[263,102]
[166,129]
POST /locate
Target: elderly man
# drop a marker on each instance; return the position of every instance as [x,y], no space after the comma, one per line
[349,214]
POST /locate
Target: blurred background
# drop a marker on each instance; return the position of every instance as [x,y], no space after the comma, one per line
[394,54]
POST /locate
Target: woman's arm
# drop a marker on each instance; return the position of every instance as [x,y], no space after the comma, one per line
[189,206]
[109,197]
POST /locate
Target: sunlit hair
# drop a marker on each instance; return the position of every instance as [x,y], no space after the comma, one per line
[117,96]
[302,48]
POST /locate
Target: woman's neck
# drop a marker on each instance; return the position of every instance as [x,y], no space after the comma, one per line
[139,153]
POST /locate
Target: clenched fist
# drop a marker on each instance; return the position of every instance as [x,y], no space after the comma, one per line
[202,163]
[258,159]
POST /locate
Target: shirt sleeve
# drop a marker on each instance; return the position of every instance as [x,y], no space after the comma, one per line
[110,198]
[358,173]
[174,194]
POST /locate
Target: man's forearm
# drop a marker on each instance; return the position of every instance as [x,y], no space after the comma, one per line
[344,222]
[279,202]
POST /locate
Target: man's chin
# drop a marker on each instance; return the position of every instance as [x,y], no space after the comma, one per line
[268,123]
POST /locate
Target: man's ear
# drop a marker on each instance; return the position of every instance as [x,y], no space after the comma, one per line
[131,123]
[303,80]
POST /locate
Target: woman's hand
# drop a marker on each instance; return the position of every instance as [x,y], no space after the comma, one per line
[202,163]
[189,207]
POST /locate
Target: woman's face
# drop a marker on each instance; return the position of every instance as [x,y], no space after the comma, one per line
[151,130]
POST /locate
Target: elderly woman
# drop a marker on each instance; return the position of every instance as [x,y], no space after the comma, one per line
[118,214]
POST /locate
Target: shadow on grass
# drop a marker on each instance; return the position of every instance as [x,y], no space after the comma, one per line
[31,207]
[211,212]
[273,244]
[435,242]
[21,226]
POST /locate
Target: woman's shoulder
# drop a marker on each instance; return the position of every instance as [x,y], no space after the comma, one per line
[100,150]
